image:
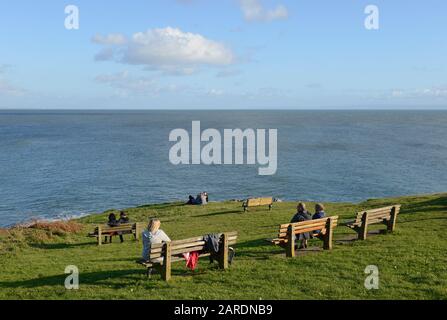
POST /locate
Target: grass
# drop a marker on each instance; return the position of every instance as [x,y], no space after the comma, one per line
[411,261]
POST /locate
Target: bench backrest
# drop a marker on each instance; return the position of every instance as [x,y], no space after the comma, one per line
[308,226]
[377,215]
[179,247]
[122,227]
[253,202]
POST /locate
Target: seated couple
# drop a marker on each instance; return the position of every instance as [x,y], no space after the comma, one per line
[202,198]
[304,215]
[114,222]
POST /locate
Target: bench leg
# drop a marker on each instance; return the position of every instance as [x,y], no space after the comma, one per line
[290,249]
[392,222]
[223,257]
[327,240]
[363,231]
[166,267]
[137,232]
[99,236]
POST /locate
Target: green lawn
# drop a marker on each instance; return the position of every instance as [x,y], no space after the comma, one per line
[412,261]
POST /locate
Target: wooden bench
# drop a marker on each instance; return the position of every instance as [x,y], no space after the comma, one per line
[287,233]
[256,202]
[164,254]
[106,230]
[386,215]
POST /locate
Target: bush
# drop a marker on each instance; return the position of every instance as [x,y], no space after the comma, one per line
[59,228]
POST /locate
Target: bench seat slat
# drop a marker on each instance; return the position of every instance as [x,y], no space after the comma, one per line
[307,222]
[175,246]
[307,228]
[310,229]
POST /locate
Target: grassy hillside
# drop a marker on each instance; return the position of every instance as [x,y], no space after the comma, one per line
[412,261]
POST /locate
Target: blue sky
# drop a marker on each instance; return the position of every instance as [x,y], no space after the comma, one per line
[236,54]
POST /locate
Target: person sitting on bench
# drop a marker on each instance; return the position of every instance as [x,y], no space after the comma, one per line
[113,222]
[300,216]
[319,214]
[123,220]
[153,234]
[123,217]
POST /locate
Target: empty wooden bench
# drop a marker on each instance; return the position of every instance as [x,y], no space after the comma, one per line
[287,233]
[256,202]
[108,231]
[386,215]
[164,254]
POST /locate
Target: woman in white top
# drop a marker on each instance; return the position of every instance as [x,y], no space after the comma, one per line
[153,234]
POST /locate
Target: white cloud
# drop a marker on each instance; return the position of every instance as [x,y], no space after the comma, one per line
[228,73]
[169,50]
[7,88]
[4,68]
[433,92]
[125,84]
[215,92]
[111,39]
[254,11]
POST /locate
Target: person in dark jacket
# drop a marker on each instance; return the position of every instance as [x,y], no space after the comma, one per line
[112,222]
[319,213]
[198,200]
[191,200]
[302,215]
[123,219]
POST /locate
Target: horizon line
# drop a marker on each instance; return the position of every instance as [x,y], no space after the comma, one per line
[227,109]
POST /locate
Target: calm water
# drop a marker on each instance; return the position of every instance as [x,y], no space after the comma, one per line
[58,164]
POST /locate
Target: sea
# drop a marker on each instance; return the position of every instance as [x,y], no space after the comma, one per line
[64,164]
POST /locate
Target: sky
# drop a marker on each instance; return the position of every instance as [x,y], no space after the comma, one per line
[226,54]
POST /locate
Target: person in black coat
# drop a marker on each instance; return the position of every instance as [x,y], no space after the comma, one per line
[302,215]
[112,222]
[123,220]
[123,217]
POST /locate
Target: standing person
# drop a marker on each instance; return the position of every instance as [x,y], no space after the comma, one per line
[153,234]
[302,215]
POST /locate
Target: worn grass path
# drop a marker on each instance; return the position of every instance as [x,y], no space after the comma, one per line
[412,261]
